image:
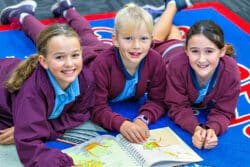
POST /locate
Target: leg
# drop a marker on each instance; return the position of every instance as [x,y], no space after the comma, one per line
[23,12]
[32,27]
[65,8]
[164,26]
[174,33]
[83,28]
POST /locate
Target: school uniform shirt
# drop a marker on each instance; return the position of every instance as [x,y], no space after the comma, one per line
[181,92]
[110,80]
[31,108]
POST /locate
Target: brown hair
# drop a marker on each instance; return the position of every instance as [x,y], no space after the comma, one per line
[26,67]
[213,32]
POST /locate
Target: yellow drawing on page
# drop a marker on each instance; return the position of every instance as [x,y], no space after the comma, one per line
[150,145]
[90,158]
[100,154]
[154,143]
[96,149]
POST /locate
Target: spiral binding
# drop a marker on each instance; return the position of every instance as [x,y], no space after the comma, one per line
[133,153]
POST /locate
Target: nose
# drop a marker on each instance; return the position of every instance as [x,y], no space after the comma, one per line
[68,61]
[136,43]
[202,57]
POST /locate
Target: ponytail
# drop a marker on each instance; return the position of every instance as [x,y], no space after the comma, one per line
[21,73]
[230,50]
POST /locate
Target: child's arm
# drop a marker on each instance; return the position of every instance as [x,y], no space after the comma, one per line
[223,112]
[154,107]
[177,95]
[32,128]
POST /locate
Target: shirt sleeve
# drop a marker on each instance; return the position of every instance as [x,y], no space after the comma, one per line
[220,116]
[177,100]
[32,129]
[102,113]
[154,107]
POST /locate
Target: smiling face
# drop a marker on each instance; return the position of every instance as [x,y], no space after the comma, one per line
[63,59]
[133,45]
[203,56]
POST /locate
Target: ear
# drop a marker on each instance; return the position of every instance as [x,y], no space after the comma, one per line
[223,51]
[114,40]
[42,60]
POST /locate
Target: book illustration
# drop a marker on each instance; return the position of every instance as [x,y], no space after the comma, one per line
[163,148]
[168,146]
[100,153]
[172,151]
[163,143]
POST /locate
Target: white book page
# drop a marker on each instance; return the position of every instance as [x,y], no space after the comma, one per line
[162,146]
[101,151]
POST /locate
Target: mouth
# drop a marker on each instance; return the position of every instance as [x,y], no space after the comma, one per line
[69,73]
[203,66]
[135,54]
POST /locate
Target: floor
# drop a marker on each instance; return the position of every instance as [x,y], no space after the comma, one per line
[240,7]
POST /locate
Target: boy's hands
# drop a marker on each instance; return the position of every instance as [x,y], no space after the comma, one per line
[7,136]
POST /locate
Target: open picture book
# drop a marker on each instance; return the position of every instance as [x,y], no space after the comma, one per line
[164,148]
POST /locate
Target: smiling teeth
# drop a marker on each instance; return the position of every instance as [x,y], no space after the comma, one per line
[202,66]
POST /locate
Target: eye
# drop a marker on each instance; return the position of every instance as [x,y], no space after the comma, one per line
[194,50]
[144,38]
[59,57]
[128,38]
[209,51]
[76,55]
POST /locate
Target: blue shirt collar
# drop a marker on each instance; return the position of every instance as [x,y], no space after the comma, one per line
[124,70]
[73,89]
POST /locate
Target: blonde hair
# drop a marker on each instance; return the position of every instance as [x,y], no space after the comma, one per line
[133,16]
[26,67]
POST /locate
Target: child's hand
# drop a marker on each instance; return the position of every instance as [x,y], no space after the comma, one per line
[211,139]
[133,132]
[7,136]
[199,137]
[144,126]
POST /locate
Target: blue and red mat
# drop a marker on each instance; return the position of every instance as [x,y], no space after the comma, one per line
[233,147]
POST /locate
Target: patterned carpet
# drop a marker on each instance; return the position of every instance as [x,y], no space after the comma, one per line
[239,7]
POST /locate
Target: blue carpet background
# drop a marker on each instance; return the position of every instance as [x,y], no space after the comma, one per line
[233,148]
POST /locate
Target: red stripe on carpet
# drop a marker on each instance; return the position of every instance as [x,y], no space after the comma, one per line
[244,25]
[62,20]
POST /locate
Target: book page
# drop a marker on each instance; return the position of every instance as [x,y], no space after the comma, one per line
[102,151]
[163,147]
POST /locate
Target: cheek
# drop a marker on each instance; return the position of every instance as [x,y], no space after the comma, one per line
[55,67]
[215,61]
